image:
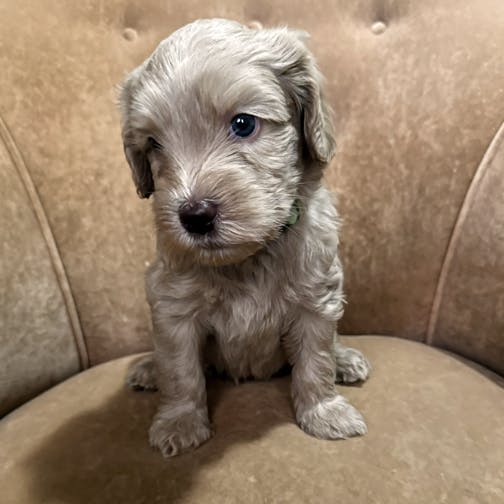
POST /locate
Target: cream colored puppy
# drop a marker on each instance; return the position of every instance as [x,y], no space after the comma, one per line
[226,127]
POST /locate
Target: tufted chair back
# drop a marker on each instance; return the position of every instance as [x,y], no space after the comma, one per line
[418,94]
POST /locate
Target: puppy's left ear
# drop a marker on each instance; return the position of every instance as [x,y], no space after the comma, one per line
[296,69]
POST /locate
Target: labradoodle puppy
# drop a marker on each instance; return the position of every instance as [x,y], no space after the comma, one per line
[227,128]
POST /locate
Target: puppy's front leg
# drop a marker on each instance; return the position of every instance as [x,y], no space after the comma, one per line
[320,410]
[181,422]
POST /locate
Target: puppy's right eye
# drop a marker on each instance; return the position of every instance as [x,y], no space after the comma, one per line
[153,143]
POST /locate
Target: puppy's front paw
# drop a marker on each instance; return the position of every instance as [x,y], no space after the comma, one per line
[351,366]
[332,418]
[142,374]
[175,435]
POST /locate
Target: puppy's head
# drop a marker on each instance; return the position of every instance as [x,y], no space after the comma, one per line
[224,125]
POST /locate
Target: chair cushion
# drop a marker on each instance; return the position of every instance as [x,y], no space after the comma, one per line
[436,434]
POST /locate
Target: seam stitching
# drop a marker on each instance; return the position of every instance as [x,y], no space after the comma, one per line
[462,215]
[52,248]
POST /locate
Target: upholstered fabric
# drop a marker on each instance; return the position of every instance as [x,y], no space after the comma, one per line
[417,93]
[435,435]
[469,316]
[37,345]
[418,98]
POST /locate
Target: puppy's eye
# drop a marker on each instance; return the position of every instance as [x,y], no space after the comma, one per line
[153,143]
[243,125]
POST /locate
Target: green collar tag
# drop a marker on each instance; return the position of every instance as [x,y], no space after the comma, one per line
[295,212]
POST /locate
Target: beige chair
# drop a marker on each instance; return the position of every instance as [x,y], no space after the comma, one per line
[418,93]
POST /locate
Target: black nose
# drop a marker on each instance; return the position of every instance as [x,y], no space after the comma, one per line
[198,217]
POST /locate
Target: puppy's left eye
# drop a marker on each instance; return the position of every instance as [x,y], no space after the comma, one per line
[243,125]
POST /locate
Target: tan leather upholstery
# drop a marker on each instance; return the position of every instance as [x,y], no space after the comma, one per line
[435,435]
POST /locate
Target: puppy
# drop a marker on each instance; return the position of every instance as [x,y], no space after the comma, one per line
[226,127]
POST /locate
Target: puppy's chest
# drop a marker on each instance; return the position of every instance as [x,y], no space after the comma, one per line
[246,322]
[244,310]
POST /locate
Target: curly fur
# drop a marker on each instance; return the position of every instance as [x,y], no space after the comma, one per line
[250,296]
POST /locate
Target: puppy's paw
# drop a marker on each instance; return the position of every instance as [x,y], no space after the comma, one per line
[175,435]
[351,366]
[333,418]
[142,374]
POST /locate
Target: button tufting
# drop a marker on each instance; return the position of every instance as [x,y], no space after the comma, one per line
[378,27]
[255,25]
[129,34]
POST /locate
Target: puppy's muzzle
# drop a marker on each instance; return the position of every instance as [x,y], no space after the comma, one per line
[198,217]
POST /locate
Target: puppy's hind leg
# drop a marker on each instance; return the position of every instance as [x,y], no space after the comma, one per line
[142,374]
[351,364]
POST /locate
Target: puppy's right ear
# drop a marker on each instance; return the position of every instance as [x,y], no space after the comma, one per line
[133,144]
[140,168]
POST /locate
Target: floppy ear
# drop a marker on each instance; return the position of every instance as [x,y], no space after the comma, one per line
[140,168]
[297,71]
[132,141]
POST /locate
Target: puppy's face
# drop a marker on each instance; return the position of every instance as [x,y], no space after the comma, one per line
[221,125]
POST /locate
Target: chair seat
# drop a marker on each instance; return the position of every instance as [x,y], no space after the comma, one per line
[436,434]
